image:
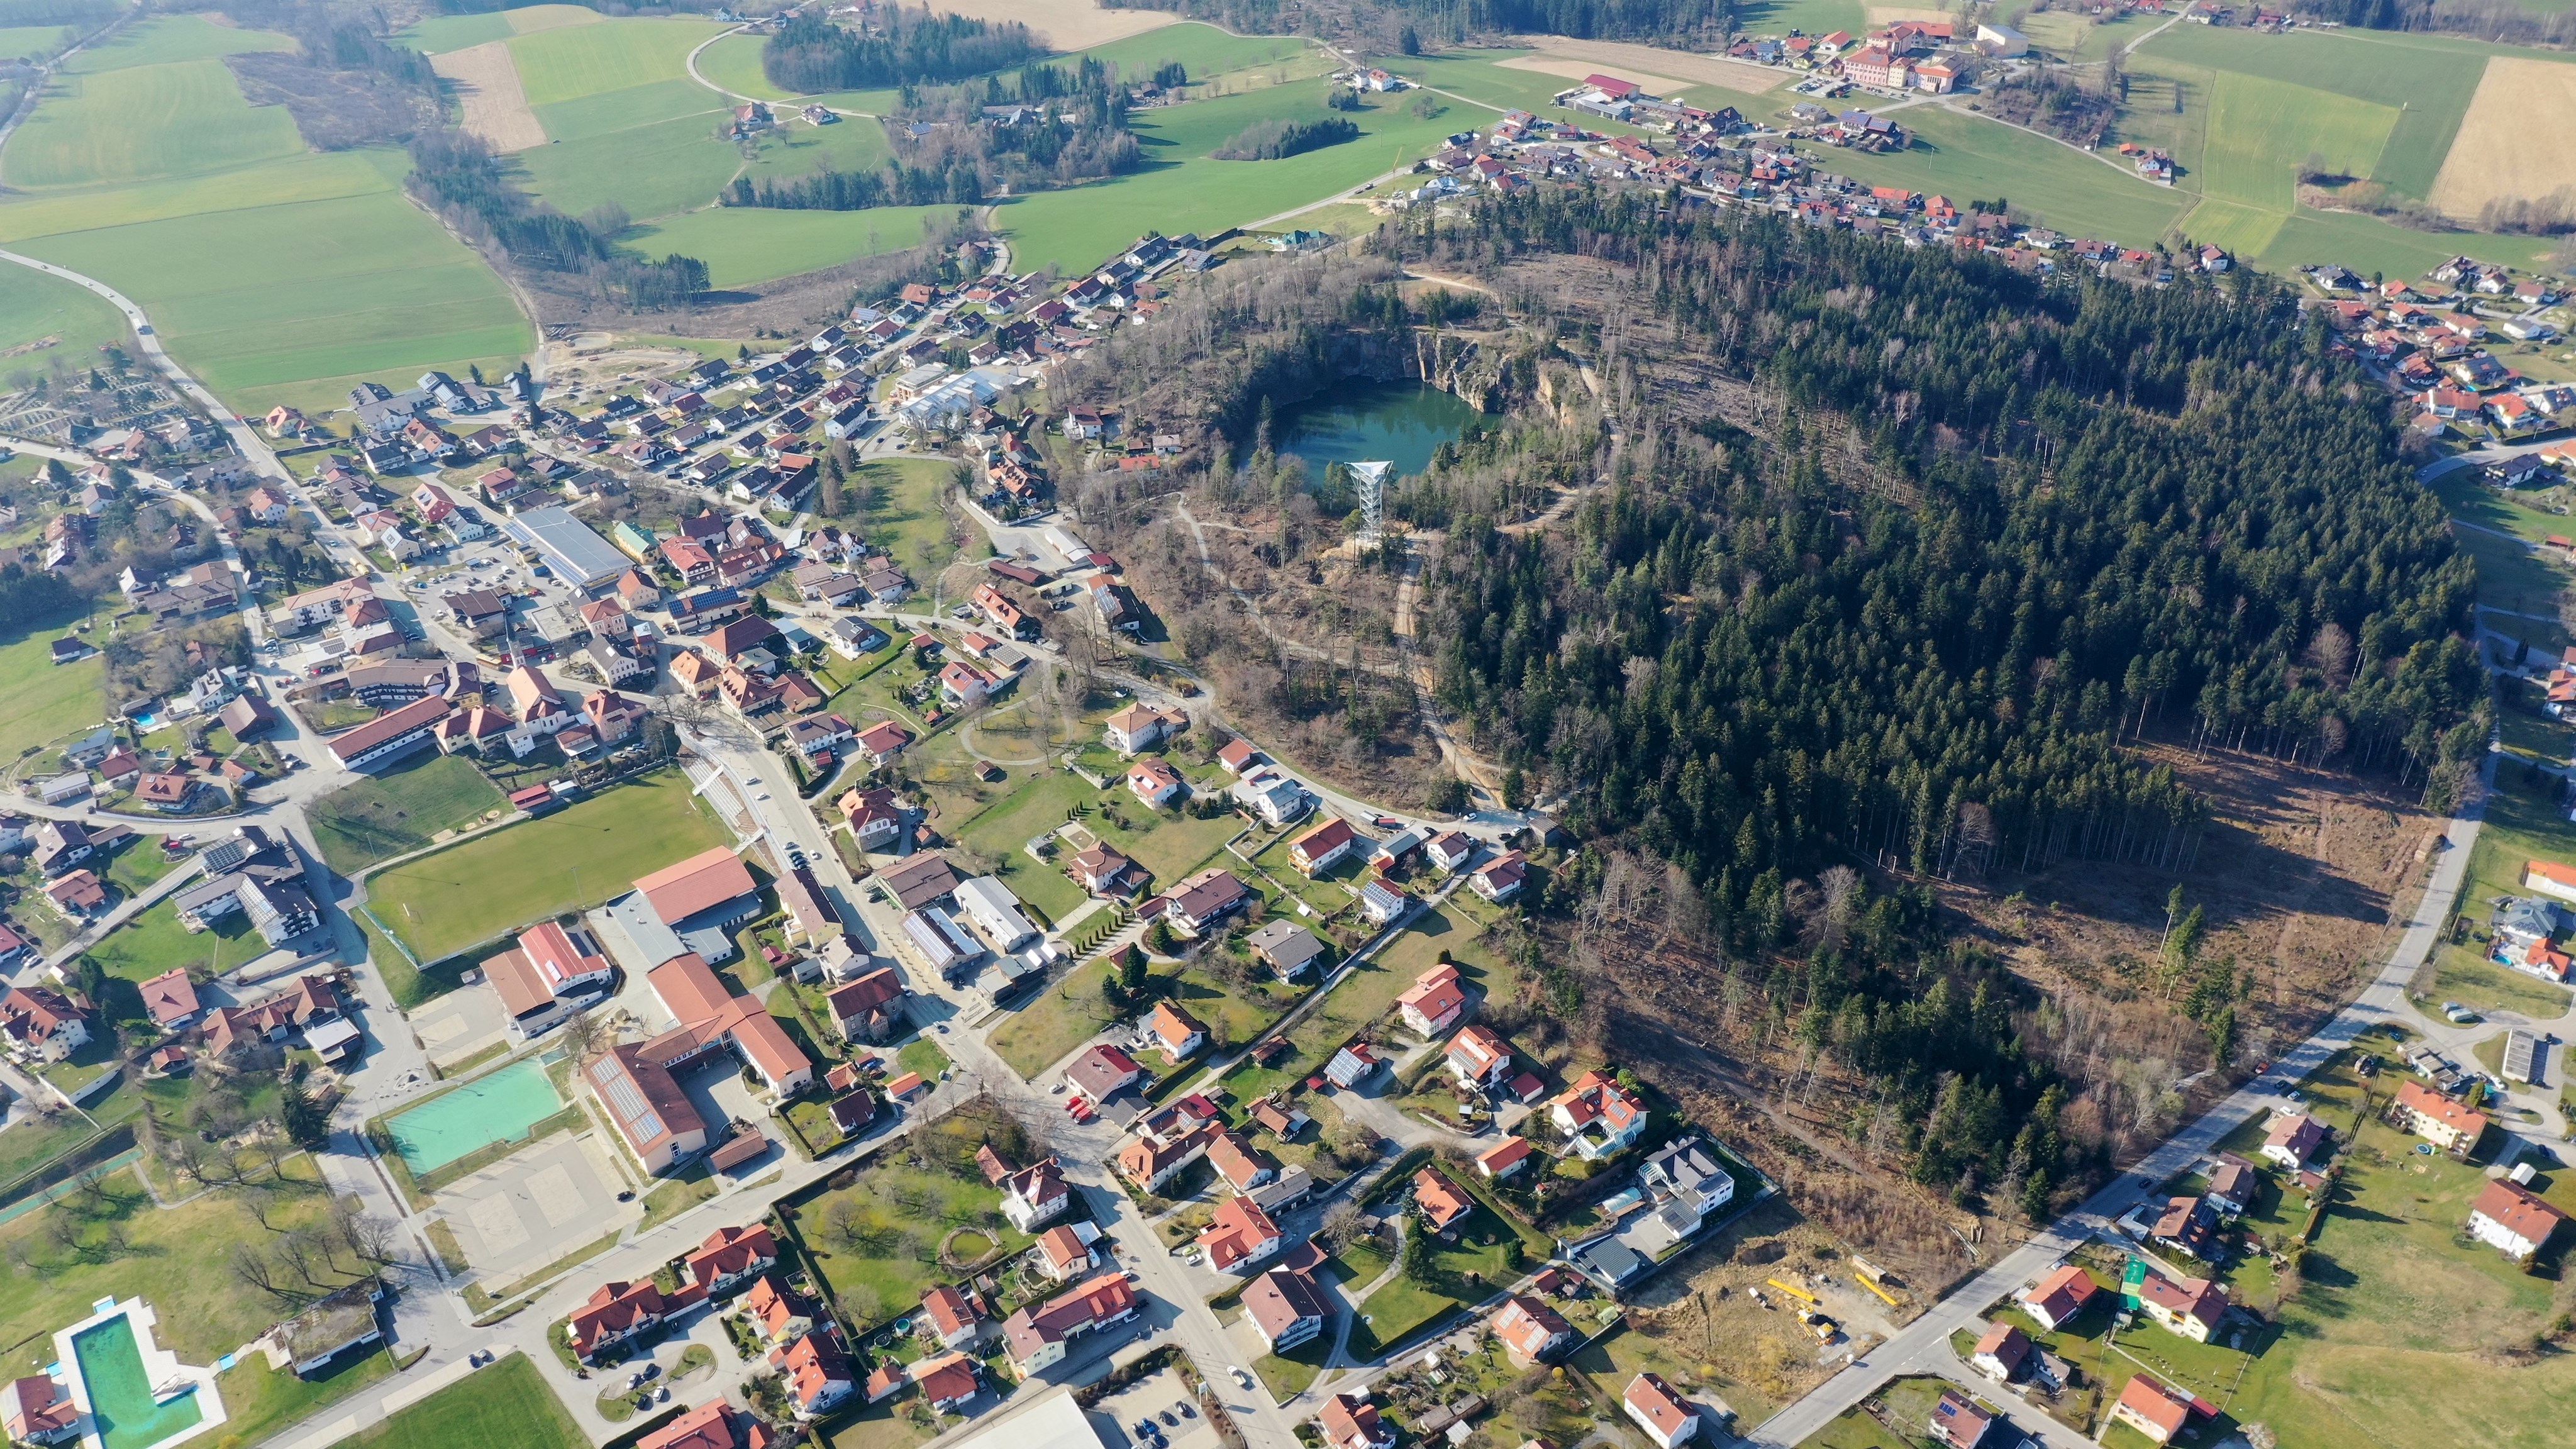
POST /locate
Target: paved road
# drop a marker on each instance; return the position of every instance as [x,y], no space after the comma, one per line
[1923,1346]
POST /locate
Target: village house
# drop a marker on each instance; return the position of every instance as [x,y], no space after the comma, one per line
[2153,1408]
[2513,1219]
[1598,1116]
[1666,1416]
[1140,727]
[1155,782]
[1242,1237]
[1288,949]
[1350,1421]
[2059,1297]
[1039,1336]
[1532,1333]
[1285,1308]
[2001,1353]
[2294,1139]
[2438,1119]
[2191,1307]
[1319,849]
[1434,1002]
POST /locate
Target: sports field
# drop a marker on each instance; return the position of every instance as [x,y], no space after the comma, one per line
[275,274]
[577,858]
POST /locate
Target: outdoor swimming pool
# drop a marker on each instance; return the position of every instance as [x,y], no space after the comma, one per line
[500,1107]
[120,1393]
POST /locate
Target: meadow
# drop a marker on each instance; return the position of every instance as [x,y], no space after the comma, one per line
[2258,132]
[378,817]
[274,274]
[437,33]
[2428,79]
[579,857]
[34,307]
[41,700]
[1182,190]
[1966,158]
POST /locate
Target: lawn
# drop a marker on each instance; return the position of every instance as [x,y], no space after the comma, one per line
[1172,846]
[155,942]
[578,858]
[259,1400]
[1182,190]
[1811,17]
[507,1403]
[1903,1401]
[2522,824]
[40,700]
[1048,1026]
[876,1240]
[379,817]
[734,63]
[2460,974]
[902,509]
[1464,1272]
[1966,156]
[35,306]
[169,1259]
[1008,824]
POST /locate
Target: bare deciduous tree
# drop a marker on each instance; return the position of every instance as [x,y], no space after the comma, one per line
[252,1267]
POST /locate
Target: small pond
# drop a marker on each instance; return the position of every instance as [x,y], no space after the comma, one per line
[1357,420]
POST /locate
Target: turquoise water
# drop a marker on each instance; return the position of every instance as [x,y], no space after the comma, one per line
[1357,420]
[120,1396]
[496,1108]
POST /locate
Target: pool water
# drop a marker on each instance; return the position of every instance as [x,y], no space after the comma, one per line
[120,1395]
[500,1107]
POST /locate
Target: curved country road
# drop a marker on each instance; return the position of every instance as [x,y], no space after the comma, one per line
[244,440]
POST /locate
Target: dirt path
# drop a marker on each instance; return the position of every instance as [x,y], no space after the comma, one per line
[487,85]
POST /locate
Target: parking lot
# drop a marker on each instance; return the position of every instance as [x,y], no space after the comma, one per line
[1165,1400]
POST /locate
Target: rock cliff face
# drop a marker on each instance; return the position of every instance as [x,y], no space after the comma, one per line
[1489,371]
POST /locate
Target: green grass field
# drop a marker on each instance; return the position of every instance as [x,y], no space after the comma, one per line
[1183,190]
[2259,132]
[569,62]
[437,34]
[734,63]
[173,38]
[2427,78]
[145,123]
[2078,37]
[35,307]
[1965,158]
[381,816]
[41,700]
[155,942]
[34,42]
[268,270]
[203,1313]
[579,857]
[1812,17]
[744,245]
[507,1403]
[1476,75]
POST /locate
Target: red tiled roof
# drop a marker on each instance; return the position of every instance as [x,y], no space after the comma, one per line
[2518,1210]
[708,878]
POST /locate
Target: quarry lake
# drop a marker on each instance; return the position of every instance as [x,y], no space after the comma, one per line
[1356,420]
